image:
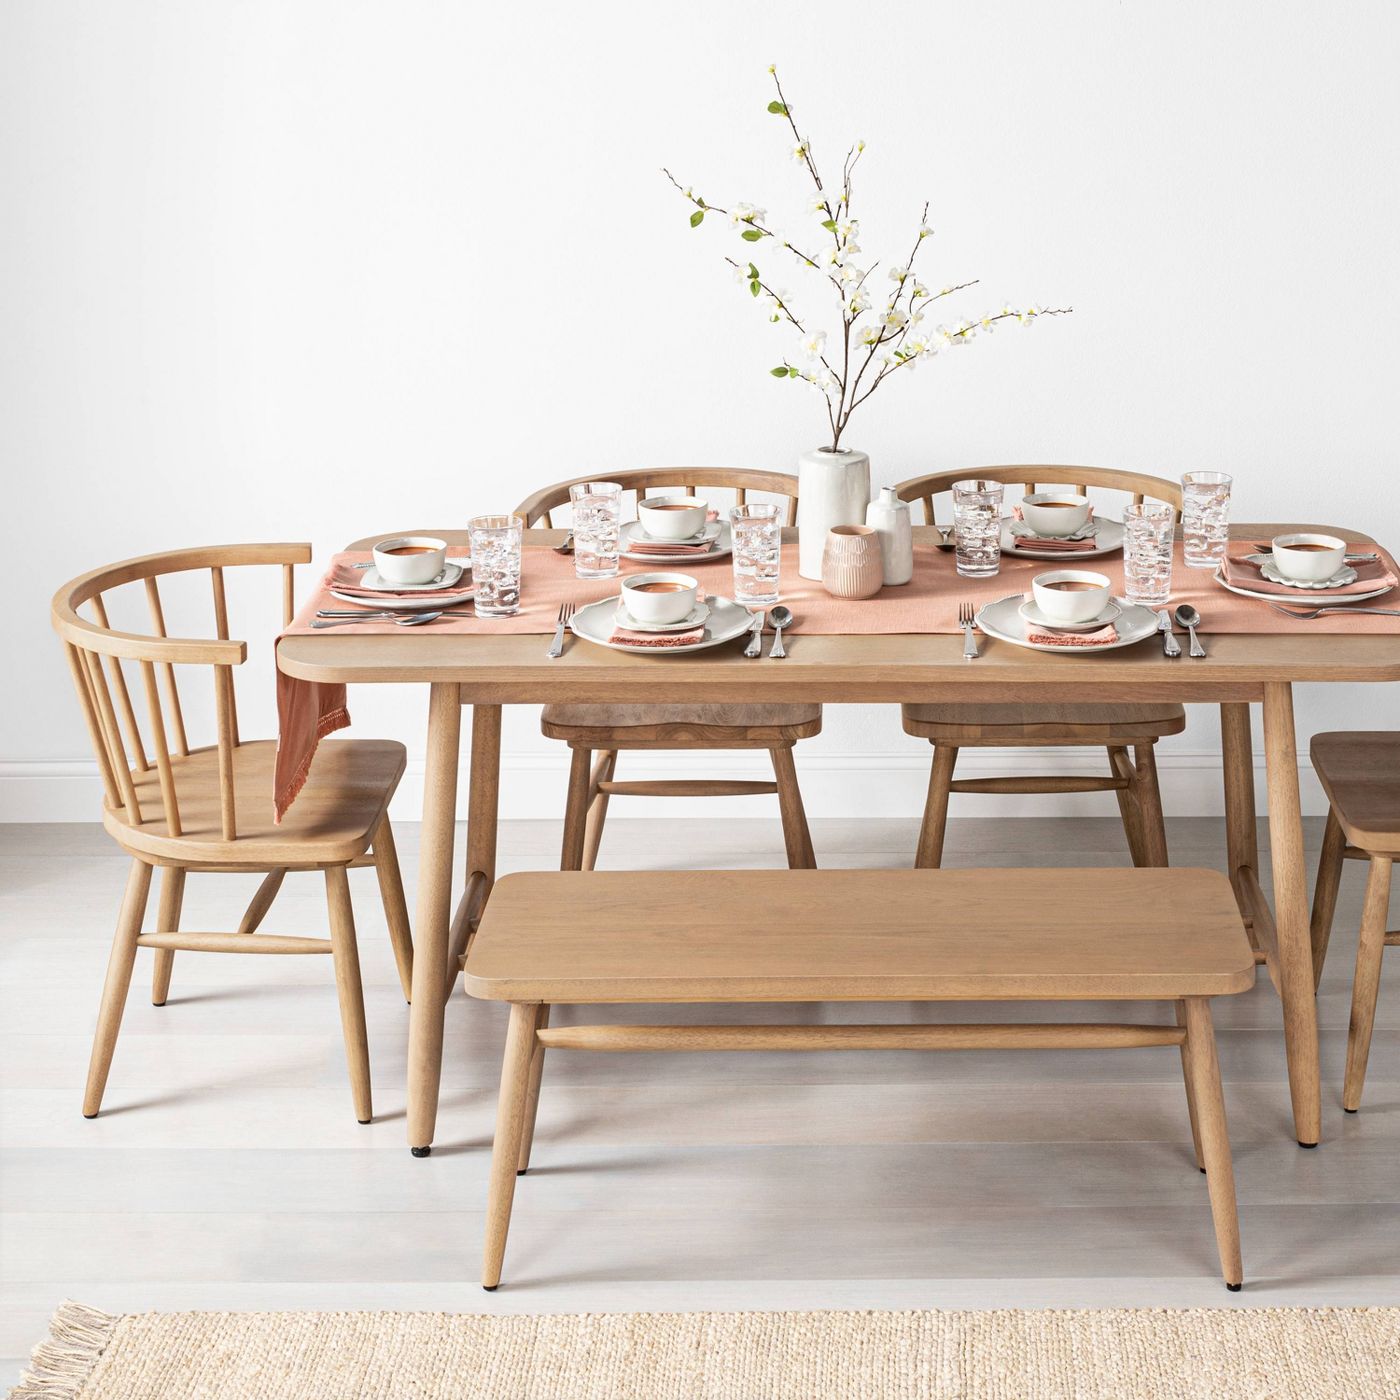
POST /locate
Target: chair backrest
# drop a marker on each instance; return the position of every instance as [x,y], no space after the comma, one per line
[1043,478]
[102,688]
[537,509]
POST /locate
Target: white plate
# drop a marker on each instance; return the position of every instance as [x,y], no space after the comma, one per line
[371,578]
[727,620]
[1109,540]
[405,602]
[1341,601]
[1002,620]
[715,530]
[1271,571]
[625,619]
[1030,610]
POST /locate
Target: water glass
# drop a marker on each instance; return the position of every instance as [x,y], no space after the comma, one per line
[757,537]
[596,512]
[495,541]
[1205,518]
[977,521]
[1149,531]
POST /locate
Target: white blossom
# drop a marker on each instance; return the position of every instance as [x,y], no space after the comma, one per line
[743,213]
[893,317]
[813,344]
[858,301]
[898,274]
[799,151]
[926,232]
[870,334]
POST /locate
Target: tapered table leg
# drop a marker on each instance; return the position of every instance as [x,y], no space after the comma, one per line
[433,914]
[1291,913]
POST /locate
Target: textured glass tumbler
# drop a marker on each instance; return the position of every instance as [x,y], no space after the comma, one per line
[495,543]
[1149,531]
[977,523]
[1205,518]
[757,538]
[596,513]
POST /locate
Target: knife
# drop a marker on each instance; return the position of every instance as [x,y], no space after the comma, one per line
[1170,646]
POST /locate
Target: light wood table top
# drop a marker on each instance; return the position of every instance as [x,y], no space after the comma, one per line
[853,669]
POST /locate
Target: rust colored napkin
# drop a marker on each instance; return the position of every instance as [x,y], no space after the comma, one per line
[1049,544]
[626,637]
[1369,577]
[306,712]
[1043,637]
[636,546]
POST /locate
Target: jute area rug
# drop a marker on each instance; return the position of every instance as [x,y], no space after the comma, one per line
[1125,1354]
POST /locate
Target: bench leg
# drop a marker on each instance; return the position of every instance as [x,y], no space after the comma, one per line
[1203,1071]
[1368,980]
[532,1098]
[1190,1092]
[1329,877]
[510,1123]
[929,855]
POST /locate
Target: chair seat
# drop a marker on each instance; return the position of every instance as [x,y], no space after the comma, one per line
[697,726]
[333,819]
[1360,773]
[991,726]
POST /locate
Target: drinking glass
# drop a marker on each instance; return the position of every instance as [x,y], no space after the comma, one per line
[495,541]
[1148,534]
[596,508]
[977,521]
[1205,518]
[757,538]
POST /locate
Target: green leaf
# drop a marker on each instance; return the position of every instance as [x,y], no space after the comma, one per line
[781,372]
[753,287]
[792,372]
[753,271]
[696,217]
[751,235]
[777,108]
[829,225]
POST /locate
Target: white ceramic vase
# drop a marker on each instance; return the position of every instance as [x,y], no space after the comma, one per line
[833,488]
[890,517]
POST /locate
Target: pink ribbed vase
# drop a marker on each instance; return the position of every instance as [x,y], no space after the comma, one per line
[851,563]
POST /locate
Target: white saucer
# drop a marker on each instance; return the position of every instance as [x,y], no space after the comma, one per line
[1002,620]
[1107,540]
[716,531]
[371,578]
[727,620]
[1271,571]
[1030,610]
[694,618]
[405,602]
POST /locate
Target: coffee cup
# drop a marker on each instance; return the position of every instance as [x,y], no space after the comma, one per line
[410,559]
[659,598]
[1055,513]
[1309,558]
[672,517]
[1071,595]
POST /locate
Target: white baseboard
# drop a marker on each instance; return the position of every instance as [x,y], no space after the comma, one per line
[888,784]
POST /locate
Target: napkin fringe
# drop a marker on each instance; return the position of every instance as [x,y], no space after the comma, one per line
[327,724]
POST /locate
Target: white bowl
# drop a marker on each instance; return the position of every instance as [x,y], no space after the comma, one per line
[1087,600]
[1055,513]
[425,561]
[1311,565]
[647,603]
[673,523]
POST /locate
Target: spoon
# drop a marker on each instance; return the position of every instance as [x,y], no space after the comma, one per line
[780,617]
[946,541]
[417,620]
[1190,619]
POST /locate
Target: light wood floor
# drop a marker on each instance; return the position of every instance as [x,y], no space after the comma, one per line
[227,1170]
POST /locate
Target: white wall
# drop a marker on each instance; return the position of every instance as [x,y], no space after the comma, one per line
[315,269]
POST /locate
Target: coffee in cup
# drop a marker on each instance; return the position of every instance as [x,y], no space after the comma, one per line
[1309,558]
[410,559]
[1055,513]
[659,598]
[1071,595]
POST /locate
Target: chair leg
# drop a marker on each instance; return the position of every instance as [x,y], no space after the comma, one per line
[510,1124]
[796,835]
[1190,1092]
[1121,767]
[118,983]
[1149,803]
[172,897]
[386,866]
[1368,980]
[532,1098]
[1329,877]
[1203,1071]
[346,955]
[603,772]
[929,853]
[575,811]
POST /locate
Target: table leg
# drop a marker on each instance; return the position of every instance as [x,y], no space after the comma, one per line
[1291,913]
[433,914]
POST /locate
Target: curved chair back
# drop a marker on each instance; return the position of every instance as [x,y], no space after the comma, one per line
[537,509]
[1042,478]
[102,689]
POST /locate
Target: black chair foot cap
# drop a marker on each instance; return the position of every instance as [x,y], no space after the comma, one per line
[421,1151]
[89,1115]
[522,1171]
[1307,1144]
[364,1120]
[157,1003]
[1351,1110]
[1202,1171]
[1234,1287]
[489,1287]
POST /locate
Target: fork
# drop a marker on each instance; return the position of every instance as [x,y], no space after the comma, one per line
[556,647]
[967,620]
[1307,614]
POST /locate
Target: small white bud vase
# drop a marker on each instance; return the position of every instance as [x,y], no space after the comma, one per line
[833,488]
[889,517]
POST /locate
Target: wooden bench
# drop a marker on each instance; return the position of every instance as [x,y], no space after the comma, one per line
[860,936]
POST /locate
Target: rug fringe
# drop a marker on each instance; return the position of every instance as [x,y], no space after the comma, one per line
[60,1365]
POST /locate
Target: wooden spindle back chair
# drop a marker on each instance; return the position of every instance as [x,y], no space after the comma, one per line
[1116,727]
[184,807]
[605,730]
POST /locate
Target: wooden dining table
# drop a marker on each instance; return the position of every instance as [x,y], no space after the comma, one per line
[487,672]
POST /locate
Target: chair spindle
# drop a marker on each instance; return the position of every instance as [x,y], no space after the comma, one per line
[167,672]
[162,750]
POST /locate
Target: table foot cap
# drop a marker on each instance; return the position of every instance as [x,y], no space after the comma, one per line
[421,1151]
[489,1287]
[1307,1144]
[1351,1110]
[1202,1170]
[363,1121]
[89,1115]
[1234,1287]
